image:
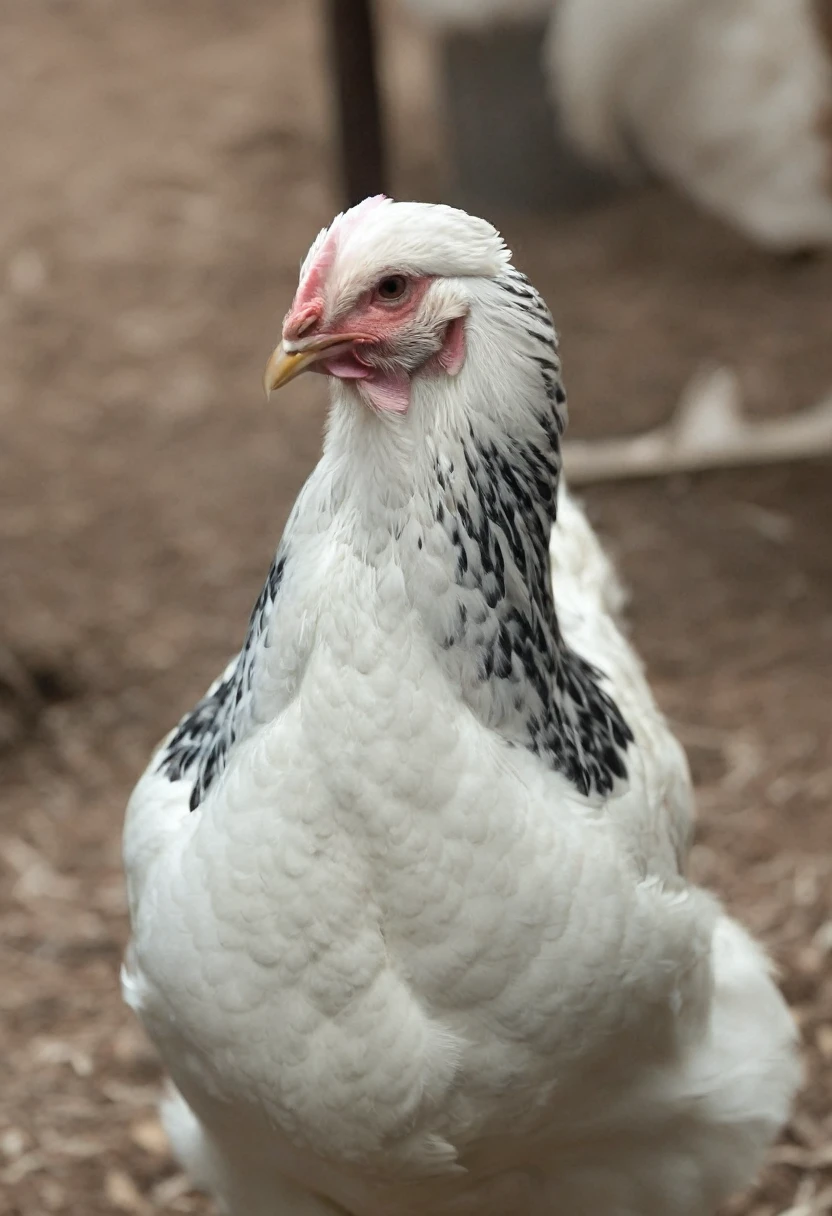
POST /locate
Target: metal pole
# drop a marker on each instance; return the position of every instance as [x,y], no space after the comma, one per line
[353,62]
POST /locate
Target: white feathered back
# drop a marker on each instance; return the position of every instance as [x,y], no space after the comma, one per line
[725,97]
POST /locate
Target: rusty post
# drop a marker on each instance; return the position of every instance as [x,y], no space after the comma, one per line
[358,110]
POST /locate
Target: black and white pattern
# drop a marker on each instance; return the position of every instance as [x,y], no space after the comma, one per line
[543,695]
[199,746]
[505,648]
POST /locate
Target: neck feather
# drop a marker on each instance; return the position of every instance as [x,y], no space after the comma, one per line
[461,494]
[464,492]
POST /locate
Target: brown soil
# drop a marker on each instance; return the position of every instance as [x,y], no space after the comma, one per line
[164,168]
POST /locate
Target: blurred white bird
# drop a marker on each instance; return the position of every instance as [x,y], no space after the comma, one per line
[731,100]
[411,929]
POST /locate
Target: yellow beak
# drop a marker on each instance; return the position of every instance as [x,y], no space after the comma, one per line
[284,365]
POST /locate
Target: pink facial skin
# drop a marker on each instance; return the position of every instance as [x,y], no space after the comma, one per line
[310,291]
[382,324]
[452,355]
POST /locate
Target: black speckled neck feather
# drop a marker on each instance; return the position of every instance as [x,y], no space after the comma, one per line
[505,649]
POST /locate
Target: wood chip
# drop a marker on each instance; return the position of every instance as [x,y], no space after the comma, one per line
[53,1196]
[131,1046]
[130,1095]
[122,1192]
[29,1163]
[149,1135]
[807,1130]
[171,1189]
[82,1148]
[823,1039]
[55,1051]
[12,1143]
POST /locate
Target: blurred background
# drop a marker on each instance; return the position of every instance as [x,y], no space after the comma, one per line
[164,169]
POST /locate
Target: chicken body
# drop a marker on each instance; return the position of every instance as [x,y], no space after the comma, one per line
[410,924]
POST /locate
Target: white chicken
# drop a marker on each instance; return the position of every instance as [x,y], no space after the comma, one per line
[731,100]
[411,929]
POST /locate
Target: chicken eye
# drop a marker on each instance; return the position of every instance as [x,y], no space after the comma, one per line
[392,287]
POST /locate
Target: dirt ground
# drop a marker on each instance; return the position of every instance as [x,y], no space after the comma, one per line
[164,167]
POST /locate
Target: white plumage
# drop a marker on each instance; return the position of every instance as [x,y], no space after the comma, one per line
[410,923]
[728,99]
[731,100]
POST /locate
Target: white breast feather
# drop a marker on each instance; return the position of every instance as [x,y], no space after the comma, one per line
[258,922]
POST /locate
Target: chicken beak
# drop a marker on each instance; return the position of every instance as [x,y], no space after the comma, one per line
[284,365]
